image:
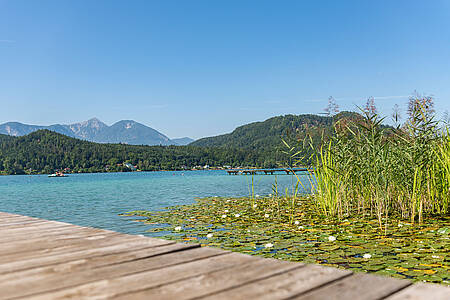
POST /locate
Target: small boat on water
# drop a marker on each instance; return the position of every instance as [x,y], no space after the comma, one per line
[58,174]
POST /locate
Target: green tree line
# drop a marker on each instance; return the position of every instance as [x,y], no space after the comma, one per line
[45,151]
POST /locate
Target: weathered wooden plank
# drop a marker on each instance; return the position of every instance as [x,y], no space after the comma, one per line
[158,273]
[97,241]
[33,228]
[6,216]
[6,224]
[19,224]
[69,238]
[10,217]
[35,233]
[49,233]
[422,291]
[4,220]
[27,222]
[284,285]
[108,255]
[54,257]
[39,280]
[213,282]
[358,286]
[22,220]
[65,285]
[40,229]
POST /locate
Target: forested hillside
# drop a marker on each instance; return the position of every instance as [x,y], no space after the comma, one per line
[5,138]
[267,134]
[45,151]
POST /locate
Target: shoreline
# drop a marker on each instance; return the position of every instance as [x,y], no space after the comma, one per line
[37,174]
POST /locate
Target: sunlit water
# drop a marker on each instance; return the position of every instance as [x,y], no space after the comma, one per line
[97,199]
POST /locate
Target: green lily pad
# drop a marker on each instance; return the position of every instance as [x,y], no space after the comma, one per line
[419,252]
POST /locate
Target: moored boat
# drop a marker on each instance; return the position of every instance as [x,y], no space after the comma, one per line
[58,174]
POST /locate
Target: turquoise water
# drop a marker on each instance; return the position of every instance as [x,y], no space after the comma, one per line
[97,199]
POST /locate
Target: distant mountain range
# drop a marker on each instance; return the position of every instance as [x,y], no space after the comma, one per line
[256,144]
[265,135]
[94,130]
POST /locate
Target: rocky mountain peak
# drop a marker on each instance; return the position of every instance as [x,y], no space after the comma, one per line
[125,131]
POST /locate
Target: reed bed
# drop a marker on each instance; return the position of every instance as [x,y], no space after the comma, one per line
[371,169]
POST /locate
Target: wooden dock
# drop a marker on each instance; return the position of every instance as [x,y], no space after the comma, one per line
[266,171]
[42,259]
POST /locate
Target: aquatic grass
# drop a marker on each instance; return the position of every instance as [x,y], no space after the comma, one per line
[275,197]
[442,172]
[251,189]
[327,187]
[386,172]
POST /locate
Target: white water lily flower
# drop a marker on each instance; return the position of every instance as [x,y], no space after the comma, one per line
[266,216]
[178,228]
[226,210]
[268,245]
[367,255]
[257,196]
[297,222]
[301,227]
[331,238]
[224,216]
[255,205]
[270,195]
[400,225]
[435,256]
[237,215]
[209,235]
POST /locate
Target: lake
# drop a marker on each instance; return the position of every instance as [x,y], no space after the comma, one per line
[96,200]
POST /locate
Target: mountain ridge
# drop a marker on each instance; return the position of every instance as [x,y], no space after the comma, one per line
[269,131]
[94,130]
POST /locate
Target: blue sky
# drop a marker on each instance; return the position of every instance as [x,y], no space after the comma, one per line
[201,68]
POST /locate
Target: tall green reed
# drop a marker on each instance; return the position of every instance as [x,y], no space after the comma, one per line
[370,169]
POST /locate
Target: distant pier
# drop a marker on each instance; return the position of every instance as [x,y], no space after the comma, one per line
[267,171]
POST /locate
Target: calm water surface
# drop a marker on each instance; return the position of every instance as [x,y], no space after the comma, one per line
[97,199]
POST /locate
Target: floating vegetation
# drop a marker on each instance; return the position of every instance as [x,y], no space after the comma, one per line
[267,226]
